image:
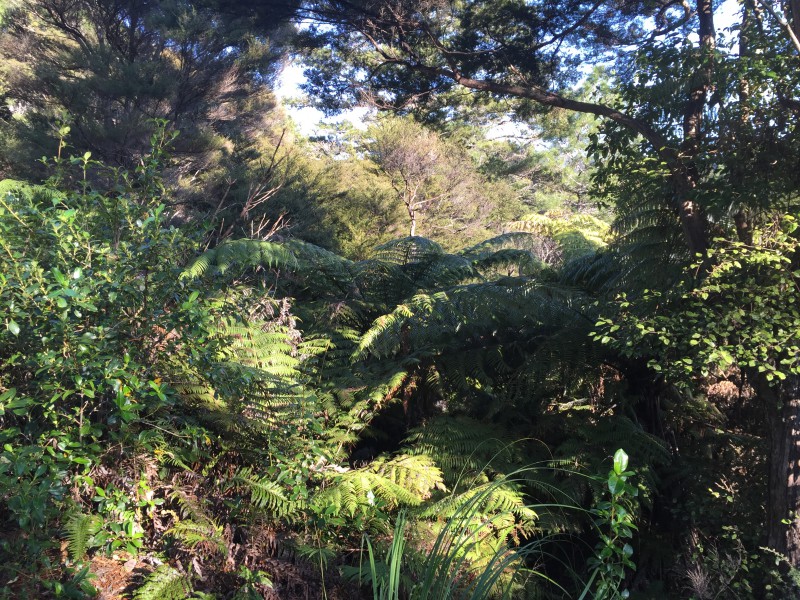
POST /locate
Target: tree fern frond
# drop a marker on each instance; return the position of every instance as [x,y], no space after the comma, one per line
[408,250]
[461,446]
[534,224]
[399,481]
[515,240]
[245,253]
[440,271]
[470,314]
[495,497]
[320,272]
[416,473]
[510,260]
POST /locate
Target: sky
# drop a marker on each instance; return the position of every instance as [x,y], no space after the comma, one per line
[308,119]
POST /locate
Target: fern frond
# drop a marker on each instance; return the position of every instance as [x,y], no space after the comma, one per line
[245,253]
[408,250]
[16,190]
[205,533]
[196,527]
[398,481]
[416,473]
[463,447]
[165,583]
[491,498]
[471,315]
[265,494]
[510,260]
[79,529]
[510,240]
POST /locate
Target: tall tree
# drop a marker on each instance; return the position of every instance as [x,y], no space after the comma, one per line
[399,54]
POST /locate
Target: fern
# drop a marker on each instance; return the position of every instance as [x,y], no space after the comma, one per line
[79,529]
[203,533]
[245,252]
[399,481]
[257,384]
[265,494]
[165,583]
[502,500]
[463,447]
[21,192]
[468,314]
[197,528]
[408,250]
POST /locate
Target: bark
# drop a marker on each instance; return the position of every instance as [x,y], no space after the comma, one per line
[744,230]
[783,414]
[693,220]
[794,9]
[408,200]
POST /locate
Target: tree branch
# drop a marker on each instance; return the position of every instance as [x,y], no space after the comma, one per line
[783,22]
[547,98]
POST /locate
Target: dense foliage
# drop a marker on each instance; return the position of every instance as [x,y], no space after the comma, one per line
[132,383]
[532,335]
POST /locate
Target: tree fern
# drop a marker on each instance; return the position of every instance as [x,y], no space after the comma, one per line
[471,314]
[257,382]
[244,253]
[404,251]
[502,500]
[463,447]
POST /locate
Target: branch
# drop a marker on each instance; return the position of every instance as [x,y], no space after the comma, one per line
[547,98]
[784,23]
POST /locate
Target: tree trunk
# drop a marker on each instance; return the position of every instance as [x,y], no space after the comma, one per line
[783,414]
[692,217]
[794,6]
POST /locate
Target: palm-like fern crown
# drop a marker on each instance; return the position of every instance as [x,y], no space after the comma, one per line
[490,333]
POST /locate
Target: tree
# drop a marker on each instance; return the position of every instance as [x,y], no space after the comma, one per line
[111,68]
[426,173]
[398,54]
[685,115]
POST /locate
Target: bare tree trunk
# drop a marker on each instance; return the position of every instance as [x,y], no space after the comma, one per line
[741,218]
[783,414]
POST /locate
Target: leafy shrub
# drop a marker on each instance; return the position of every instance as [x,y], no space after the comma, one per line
[95,325]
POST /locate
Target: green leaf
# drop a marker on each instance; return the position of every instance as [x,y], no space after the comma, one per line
[620,461]
[13,327]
